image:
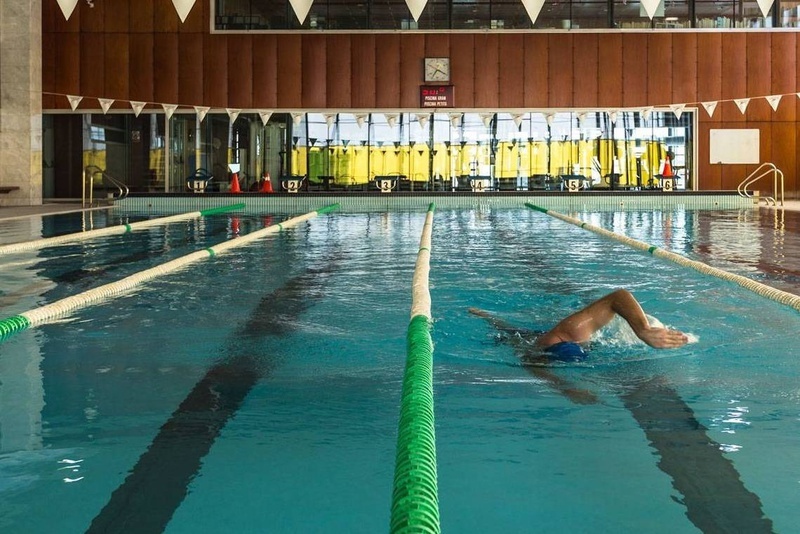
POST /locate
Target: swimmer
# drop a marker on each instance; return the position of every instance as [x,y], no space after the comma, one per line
[563,342]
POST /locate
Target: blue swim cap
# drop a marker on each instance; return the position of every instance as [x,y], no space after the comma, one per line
[566,351]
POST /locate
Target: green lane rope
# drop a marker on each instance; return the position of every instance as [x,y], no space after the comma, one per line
[62,307]
[111,230]
[415,499]
[782,297]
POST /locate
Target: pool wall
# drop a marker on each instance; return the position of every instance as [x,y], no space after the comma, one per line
[365,202]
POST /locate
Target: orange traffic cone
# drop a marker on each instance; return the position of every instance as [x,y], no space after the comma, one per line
[266,186]
[667,173]
[235,183]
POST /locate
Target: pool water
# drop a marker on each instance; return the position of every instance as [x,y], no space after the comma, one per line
[259,390]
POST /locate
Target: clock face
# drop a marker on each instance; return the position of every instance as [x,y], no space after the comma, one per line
[437,69]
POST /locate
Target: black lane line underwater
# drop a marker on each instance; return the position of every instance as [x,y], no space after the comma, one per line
[715,498]
[714,495]
[158,483]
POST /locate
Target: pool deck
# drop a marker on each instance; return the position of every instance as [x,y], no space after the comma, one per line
[14,212]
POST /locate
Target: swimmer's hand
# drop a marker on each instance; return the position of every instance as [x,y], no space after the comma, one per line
[662,338]
[479,312]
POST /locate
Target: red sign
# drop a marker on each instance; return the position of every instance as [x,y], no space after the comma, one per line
[436,96]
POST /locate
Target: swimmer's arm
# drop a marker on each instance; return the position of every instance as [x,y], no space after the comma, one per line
[576,395]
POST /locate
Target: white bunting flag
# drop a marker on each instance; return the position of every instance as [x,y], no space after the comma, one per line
[765,6]
[74,101]
[650,7]
[265,115]
[329,118]
[612,116]
[201,112]
[677,109]
[533,7]
[169,109]
[233,114]
[67,7]
[455,119]
[105,104]
[517,118]
[301,8]
[486,118]
[798,95]
[391,119]
[549,118]
[423,119]
[741,103]
[646,113]
[137,107]
[709,107]
[416,7]
[360,119]
[774,100]
[582,118]
[183,7]
[296,118]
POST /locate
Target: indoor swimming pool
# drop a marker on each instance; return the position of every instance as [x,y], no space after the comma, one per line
[258,390]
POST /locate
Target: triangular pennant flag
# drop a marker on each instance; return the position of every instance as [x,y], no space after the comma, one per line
[301,8]
[612,116]
[646,112]
[296,118]
[650,7]
[137,107]
[774,100]
[455,119]
[709,107]
[416,7]
[360,118]
[265,115]
[74,101]
[201,112]
[423,119]
[183,7]
[798,95]
[486,118]
[741,103]
[533,7]
[67,7]
[233,114]
[765,6]
[517,118]
[169,109]
[105,104]
[677,109]
[582,118]
[549,118]
[391,119]
[329,118]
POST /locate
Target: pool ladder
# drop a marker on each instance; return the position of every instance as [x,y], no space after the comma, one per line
[105,179]
[765,169]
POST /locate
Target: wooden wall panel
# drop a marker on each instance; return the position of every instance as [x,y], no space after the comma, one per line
[265,71]
[412,52]
[734,74]
[67,67]
[215,70]
[49,12]
[609,69]
[190,69]
[363,76]
[437,45]
[512,70]
[290,72]
[338,75]
[387,71]
[314,75]
[659,69]
[584,70]
[759,75]
[784,152]
[710,176]
[197,19]
[92,18]
[634,68]
[141,69]
[62,25]
[559,59]
[709,71]
[684,68]
[165,19]
[784,75]
[240,72]
[166,69]
[48,70]
[116,15]
[141,16]
[462,68]
[92,58]
[117,55]
[536,76]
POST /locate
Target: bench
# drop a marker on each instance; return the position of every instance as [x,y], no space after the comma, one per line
[5,189]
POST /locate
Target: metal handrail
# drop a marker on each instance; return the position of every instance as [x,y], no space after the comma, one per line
[753,177]
[90,172]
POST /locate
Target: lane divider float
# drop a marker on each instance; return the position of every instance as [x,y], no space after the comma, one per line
[782,297]
[111,230]
[47,313]
[415,499]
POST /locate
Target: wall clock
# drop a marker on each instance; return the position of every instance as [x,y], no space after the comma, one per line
[437,69]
